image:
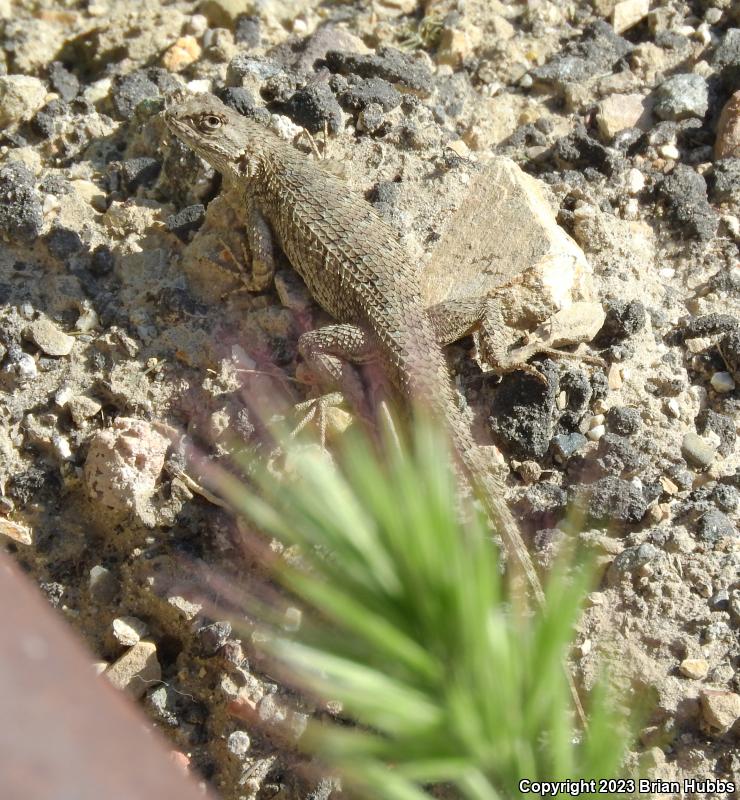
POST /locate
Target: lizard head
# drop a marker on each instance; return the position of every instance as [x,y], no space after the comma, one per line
[216,132]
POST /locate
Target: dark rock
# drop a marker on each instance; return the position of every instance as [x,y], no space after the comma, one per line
[714,525]
[163,702]
[43,122]
[388,63]
[242,101]
[185,221]
[729,348]
[624,318]
[670,40]
[522,415]
[682,96]
[726,497]
[566,444]
[243,65]
[247,30]
[724,184]
[362,93]
[129,90]
[63,242]
[630,560]
[612,499]
[580,151]
[21,214]
[55,184]
[727,58]
[136,172]
[576,385]
[708,421]
[597,52]
[214,636]
[623,420]
[313,107]
[685,192]
[543,502]
[616,455]
[63,82]
[707,325]
[599,385]
[103,261]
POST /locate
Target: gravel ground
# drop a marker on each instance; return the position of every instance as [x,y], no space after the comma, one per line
[117,339]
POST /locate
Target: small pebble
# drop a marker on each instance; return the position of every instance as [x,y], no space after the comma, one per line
[681,96]
[720,709]
[16,531]
[697,451]
[21,96]
[722,382]
[238,743]
[695,668]
[129,630]
[673,408]
[48,338]
[136,670]
[596,433]
[669,151]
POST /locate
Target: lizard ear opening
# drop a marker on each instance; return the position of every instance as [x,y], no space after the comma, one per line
[248,165]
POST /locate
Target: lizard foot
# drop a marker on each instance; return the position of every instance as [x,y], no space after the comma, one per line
[314,409]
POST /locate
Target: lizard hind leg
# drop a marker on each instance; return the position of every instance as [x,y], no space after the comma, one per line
[328,355]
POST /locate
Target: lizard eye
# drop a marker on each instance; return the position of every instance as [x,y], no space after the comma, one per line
[209,123]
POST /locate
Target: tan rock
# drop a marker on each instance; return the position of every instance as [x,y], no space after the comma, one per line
[136,670]
[629,13]
[49,338]
[720,709]
[123,466]
[82,408]
[16,531]
[505,232]
[21,96]
[181,54]
[618,112]
[727,143]
[696,668]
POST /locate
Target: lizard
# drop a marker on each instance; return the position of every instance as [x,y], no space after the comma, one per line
[356,269]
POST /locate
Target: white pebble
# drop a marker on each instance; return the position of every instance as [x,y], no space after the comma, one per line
[672,407]
[722,382]
[669,151]
[197,24]
[667,272]
[635,181]
[596,433]
[199,87]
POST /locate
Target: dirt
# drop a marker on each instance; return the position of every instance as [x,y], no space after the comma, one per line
[126,344]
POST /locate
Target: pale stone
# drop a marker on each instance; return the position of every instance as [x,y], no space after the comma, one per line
[617,112]
[16,531]
[47,337]
[21,96]
[129,630]
[123,466]
[720,709]
[82,408]
[727,143]
[136,670]
[629,13]
[181,54]
[722,382]
[695,668]
[503,234]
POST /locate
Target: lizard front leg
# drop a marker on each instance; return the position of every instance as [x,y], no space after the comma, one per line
[262,249]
